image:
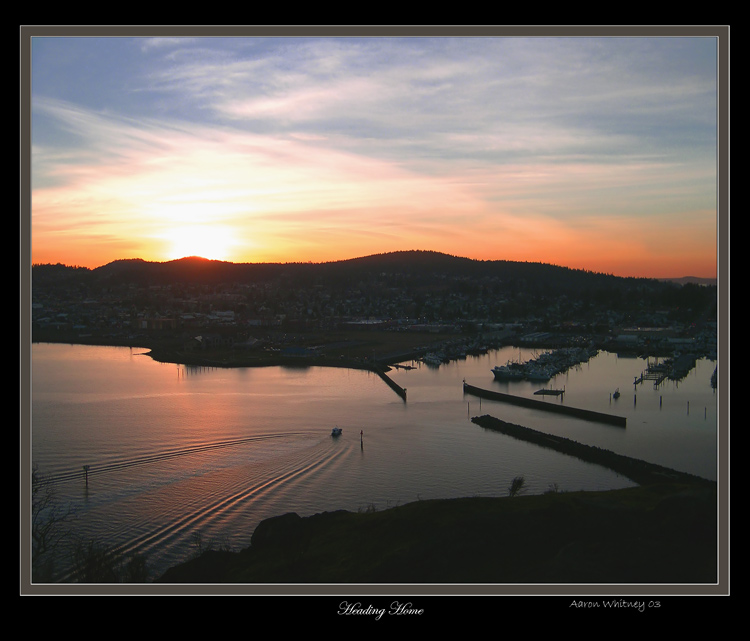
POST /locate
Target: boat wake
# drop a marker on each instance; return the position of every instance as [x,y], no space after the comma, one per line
[158,457]
[216,508]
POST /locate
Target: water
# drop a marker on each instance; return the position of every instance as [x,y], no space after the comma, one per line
[181,455]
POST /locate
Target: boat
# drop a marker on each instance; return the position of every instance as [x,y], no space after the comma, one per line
[336,431]
[538,374]
[507,373]
[432,359]
[617,393]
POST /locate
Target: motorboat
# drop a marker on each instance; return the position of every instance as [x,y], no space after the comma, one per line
[336,431]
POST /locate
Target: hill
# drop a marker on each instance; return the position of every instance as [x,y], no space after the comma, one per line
[415,266]
[419,275]
[650,534]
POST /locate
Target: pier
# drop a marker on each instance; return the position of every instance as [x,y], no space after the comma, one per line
[401,391]
[584,414]
[656,374]
[675,369]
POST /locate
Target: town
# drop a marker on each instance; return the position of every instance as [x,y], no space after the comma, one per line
[387,308]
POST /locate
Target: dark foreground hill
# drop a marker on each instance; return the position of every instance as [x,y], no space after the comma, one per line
[652,534]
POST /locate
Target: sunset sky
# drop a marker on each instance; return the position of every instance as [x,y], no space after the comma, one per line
[595,153]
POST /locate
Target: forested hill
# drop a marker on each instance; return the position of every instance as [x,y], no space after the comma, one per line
[422,270]
[413,264]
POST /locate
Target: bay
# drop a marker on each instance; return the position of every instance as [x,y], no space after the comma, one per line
[182,458]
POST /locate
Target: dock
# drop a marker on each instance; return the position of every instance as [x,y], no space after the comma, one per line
[522,401]
[549,392]
[674,369]
[654,374]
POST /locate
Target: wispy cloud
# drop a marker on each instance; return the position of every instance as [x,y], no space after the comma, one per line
[411,141]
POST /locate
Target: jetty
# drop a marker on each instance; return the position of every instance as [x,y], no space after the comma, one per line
[401,391]
[588,415]
[636,470]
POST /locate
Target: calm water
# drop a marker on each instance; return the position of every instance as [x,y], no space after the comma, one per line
[180,454]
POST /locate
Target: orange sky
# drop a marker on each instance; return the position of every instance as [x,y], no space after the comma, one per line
[256,150]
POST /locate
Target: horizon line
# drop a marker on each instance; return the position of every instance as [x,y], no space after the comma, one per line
[388,253]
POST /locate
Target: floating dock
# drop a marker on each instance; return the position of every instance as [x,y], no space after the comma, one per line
[549,392]
[584,414]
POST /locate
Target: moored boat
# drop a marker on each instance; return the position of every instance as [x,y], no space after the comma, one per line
[432,359]
[507,373]
[538,374]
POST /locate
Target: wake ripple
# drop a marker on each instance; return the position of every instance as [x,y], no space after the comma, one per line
[167,525]
[106,468]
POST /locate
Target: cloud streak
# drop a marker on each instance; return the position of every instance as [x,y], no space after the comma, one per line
[529,149]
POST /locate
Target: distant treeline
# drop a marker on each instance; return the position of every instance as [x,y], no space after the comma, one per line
[424,270]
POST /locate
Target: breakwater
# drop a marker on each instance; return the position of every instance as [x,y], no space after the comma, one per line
[636,470]
[401,391]
[587,415]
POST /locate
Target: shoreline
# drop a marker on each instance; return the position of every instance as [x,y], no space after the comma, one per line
[369,350]
[631,535]
[554,537]
[417,524]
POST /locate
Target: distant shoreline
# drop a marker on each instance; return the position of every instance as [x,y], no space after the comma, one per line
[367,350]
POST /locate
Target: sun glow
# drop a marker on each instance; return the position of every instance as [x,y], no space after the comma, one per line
[212,242]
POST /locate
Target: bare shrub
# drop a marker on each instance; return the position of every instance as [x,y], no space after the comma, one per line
[517,486]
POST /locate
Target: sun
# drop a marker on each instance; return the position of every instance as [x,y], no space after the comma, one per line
[212,242]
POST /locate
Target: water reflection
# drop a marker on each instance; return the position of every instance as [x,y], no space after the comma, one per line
[214,451]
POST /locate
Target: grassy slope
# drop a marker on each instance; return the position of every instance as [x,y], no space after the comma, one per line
[651,534]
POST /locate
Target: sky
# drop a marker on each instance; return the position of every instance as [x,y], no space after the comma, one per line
[594,153]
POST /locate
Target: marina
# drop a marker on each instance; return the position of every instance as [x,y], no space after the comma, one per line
[675,368]
[542,368]
[174,453]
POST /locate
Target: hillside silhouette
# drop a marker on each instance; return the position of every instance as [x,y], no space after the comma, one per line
[423,271]
[414,264]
